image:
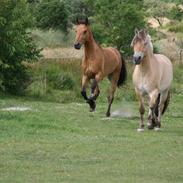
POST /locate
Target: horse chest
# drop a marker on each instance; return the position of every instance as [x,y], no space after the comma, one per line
[89,71]
[143,86]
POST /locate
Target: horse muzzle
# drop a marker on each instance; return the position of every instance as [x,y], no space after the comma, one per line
[137,58]
[136,61]
[77,46]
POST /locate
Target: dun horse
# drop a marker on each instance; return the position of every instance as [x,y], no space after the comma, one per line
[98,63]
[152,77]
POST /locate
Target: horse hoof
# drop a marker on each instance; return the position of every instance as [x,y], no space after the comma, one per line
[157,129]
[140,130]
[108,114]
[92,110]
[92,105]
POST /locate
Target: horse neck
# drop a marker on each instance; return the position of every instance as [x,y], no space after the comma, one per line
[147,63]
[89,46]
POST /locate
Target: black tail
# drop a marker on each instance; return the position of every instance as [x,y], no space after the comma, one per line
[123,73]
[165,104]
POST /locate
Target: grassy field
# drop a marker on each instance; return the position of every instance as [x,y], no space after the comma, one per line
[54,142]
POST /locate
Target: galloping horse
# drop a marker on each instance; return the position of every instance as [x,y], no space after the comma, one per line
[153,77]
[98,63]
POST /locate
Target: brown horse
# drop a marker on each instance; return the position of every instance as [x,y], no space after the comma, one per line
[152,77]
[98,63]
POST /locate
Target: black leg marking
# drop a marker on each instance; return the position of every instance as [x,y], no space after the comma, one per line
[83,93]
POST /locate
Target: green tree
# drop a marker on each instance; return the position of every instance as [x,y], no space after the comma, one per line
[157,9]
[116,20]
[52,14]
[16,45]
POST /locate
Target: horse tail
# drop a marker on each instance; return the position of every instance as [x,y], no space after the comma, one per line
[123,73]
[165,104]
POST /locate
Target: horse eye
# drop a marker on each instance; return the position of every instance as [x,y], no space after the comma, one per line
[85,32]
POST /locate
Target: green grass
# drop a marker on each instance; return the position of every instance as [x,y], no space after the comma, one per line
[66,143]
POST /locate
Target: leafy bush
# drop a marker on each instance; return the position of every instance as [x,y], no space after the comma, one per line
[176,13]
[16,45]
[64,82]
[55,80]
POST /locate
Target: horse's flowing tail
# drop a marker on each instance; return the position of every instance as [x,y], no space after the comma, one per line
[123,73]
[165,104]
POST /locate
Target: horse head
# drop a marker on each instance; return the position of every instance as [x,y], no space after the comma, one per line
[82,32]
[141,43]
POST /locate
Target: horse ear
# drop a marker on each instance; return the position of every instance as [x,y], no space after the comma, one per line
[146,31]
[86,21]
[136,31]
[77,21]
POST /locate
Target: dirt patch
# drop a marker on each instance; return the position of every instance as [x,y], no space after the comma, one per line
[17,109]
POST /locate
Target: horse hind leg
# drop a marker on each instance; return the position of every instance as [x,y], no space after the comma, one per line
[141,110]
[163,98]
[114,80]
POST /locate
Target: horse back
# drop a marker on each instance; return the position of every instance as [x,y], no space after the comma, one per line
[112,59]
[165,69]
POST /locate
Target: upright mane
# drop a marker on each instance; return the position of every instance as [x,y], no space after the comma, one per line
[142,35]
[149,40]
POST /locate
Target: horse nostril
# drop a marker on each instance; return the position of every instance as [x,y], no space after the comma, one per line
[77,46]
[139,58]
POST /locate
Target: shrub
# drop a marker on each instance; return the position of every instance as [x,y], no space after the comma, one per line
[16,45]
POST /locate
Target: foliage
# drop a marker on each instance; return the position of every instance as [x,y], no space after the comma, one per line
[157,9]
[55,80]
[16,45]
[176,13]
[52,14]
[78,8]
[115,22]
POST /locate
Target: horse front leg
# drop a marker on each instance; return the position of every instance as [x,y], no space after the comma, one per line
[94,92]
[84,86]
[141,111]
[152,118]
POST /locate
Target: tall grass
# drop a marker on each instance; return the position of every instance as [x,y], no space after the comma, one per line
[60,81]
[57,80]
[178,27]
[52,38]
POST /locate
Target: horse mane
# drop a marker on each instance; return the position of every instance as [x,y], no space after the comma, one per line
[148,38]
[142,35]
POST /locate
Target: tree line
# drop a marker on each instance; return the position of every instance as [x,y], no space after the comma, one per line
[112,22]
